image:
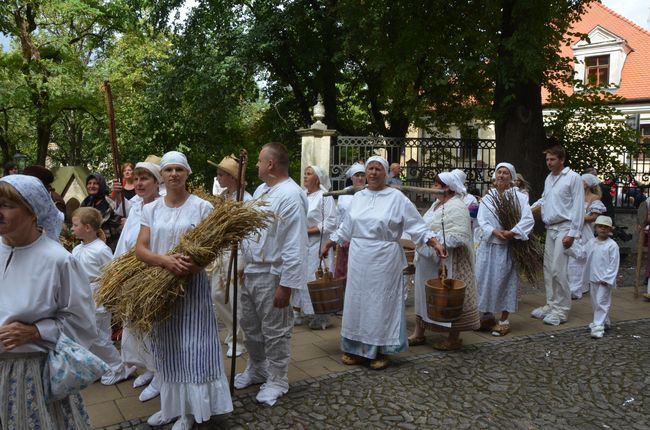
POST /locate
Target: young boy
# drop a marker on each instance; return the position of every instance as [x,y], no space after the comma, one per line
[601,270]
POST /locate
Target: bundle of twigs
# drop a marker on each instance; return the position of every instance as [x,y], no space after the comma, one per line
[139,294]
[528,255]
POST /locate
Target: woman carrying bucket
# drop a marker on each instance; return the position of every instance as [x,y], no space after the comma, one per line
[449,220]
[498,281]
[374,321]
[321,221]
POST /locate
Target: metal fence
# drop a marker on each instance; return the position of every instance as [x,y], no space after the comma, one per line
[629,185]
[421,159]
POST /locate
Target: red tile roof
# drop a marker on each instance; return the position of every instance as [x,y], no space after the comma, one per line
[635,77]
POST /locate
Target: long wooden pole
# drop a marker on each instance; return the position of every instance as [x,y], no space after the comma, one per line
[112,134]
[241,174]
[641,220]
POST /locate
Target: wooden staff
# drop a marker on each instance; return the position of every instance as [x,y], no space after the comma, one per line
[641,217]
[117,166]
[234,272]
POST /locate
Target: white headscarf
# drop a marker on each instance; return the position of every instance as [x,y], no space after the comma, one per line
[175,157]
[380,160]
[590,180]
[354,169]
[511,169]
[323,178]
[154,169]
[462,176]
[31,189]
[452,181]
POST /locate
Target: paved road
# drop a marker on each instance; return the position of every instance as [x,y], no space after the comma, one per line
[563,380]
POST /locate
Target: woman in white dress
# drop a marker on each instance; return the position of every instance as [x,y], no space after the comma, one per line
[136,349]
[53,299]
[321,222]
[497,280]
[448,219]
[374,321]
[357,174]
[593,208]
[186,346]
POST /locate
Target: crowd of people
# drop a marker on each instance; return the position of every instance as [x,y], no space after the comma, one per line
[181,359]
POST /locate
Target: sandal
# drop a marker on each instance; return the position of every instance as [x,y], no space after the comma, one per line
[447,345]
[379,363]
[487,324]
[417,341]
[352,360]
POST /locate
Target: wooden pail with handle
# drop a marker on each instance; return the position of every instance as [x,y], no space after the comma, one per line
[445,298]
[409,251]
[326,292]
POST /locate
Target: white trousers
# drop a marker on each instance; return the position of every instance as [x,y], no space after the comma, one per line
[556,282]
[601,301]
[223,311]
[267,328]
[575,274]
[103,346]
[136,350]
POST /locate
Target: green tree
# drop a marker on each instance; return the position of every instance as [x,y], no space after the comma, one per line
[584,122]
[526,59]
[57,39]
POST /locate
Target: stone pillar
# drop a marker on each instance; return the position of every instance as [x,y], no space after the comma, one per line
[315,142]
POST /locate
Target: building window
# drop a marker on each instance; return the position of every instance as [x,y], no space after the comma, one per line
[645,134]
[597,71]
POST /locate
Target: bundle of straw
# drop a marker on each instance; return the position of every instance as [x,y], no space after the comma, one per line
[528,255]
[140,294]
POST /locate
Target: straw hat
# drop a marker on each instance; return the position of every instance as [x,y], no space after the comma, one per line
[229,164]
[152,159]
[604,220]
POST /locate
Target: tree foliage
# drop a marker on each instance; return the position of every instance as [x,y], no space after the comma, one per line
[239,74]
[587,124]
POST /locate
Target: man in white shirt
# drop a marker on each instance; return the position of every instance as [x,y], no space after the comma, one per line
[276,266]
[563,214]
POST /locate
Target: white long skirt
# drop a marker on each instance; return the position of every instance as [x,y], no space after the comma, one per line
[496,278]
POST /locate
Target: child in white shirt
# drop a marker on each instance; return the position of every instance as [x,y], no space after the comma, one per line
[92,254]
[600,271]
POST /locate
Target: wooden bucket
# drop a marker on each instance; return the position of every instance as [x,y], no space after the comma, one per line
[326,293]
[409,250]
[445,298]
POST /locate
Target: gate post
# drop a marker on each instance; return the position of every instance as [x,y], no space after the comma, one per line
[315,142]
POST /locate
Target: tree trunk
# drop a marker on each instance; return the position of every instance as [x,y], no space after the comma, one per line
[520,137]
[43,133]
[519,128]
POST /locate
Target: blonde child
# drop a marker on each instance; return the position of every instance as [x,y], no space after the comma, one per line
[92,253]
[601,270]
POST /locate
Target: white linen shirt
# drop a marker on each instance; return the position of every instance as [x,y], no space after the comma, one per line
[603,259]
[281,247]
[42,284]
[167,225]
[92,257]
[563,202]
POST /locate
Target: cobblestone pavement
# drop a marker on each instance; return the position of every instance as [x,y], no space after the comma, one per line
[559,380]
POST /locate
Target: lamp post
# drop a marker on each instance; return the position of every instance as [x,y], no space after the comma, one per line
[21,160]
